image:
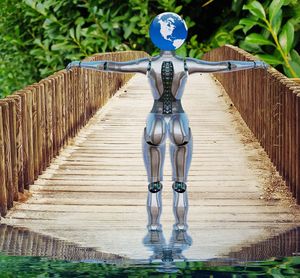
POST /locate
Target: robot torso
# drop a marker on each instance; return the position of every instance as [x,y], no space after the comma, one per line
[167,75]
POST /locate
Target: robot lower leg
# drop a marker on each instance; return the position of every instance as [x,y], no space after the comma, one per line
[154,206]
[180,207]
[181,155]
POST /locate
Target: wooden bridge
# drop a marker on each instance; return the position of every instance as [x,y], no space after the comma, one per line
[71,164]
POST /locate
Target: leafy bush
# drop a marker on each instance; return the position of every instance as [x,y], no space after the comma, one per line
[39,37]
[275,40]
[16,67]
[27,267]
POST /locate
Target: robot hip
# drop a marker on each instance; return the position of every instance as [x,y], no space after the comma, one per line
[175,126]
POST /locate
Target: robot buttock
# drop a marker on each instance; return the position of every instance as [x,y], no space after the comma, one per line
[154,139]
[180,133]
[155,131]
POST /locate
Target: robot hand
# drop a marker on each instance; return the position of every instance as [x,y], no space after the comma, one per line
[73,64]
[261,64]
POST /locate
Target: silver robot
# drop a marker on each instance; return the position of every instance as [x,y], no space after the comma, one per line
[167,74]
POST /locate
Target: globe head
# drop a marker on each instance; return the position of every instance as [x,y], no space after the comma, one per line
[168,31]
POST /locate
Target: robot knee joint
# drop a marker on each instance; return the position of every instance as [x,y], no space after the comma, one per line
[179,187]
[155,187]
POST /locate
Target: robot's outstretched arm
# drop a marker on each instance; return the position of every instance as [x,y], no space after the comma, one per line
[133,66]
[195,65]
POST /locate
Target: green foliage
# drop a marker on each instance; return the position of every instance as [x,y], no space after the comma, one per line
[16,68]
[42,36]
[11,266]
[270,30]
[39,37]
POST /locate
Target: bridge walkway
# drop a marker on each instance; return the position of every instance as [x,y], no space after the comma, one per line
[94,192]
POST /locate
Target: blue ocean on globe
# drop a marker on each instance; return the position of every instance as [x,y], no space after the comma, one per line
[168,31]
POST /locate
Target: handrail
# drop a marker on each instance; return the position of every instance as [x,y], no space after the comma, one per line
[269,103]
[37,121]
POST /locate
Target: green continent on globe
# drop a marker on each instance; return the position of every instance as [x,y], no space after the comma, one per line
[168,31]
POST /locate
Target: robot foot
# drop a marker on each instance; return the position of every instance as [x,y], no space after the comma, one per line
[181,237]
[181,227]
[154,238]
[154,227]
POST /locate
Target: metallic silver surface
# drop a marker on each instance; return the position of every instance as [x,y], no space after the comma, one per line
[195,65]
[167,253]
[134,66]
[154,146]
[167,75]
[180,210]
[154,209]
[167,120]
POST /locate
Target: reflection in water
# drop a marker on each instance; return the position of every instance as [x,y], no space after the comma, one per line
[180,210]
[282,245]
[22,242]
[167,253]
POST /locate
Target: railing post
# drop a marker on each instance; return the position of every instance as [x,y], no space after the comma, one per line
[35,128]
[297,151]
[29,100]
[19,142]
[7,153]
[24,149]
[3,192]
[13,146]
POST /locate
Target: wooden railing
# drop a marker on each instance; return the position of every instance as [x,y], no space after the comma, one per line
[285,244]
[269,103]
[36,122]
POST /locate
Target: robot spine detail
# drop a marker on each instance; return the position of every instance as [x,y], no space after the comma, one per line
[167,73]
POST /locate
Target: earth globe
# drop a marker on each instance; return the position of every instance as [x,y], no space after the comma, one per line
[168,31]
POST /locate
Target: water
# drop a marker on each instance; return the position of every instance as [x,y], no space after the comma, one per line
[12,266]
[29,254]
